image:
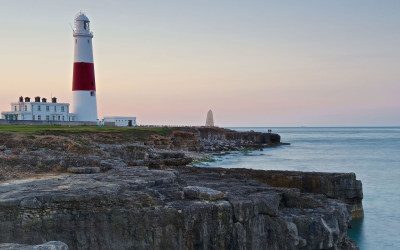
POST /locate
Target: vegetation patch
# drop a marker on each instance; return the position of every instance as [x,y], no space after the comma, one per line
[203,160]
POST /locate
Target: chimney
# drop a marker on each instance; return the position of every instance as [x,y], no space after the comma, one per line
[37,99]
[44,100]
[27,99]
[54,100]
[21,99]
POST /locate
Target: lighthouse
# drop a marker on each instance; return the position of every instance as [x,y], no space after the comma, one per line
[83,84]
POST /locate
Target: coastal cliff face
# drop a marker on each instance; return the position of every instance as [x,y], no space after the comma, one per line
[134,191]
[137,208]
[54,151]
[213,139]
[341,186]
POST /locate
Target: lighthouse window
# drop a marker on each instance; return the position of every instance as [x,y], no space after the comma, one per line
[92,83]
[92,93]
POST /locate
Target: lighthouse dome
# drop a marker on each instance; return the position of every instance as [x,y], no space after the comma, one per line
[81,17]
[82,25]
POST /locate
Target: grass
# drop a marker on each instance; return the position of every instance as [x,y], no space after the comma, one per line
[247,149]
[31,130]
[202,161]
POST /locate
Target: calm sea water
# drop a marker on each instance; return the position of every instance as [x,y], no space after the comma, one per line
[372,153]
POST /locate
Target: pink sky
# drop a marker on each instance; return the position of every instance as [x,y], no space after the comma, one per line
[258,64]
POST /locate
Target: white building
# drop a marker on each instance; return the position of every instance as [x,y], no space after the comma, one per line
[40,110]
[121,121]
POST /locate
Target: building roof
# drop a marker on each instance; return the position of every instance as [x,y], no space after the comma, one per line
[81,17]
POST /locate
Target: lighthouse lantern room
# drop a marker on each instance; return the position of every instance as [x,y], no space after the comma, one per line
[84,84]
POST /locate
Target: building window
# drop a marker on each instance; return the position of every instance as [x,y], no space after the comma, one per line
[47,108]
[47,117]
[59,118]
[19,108]
[26,108]
[33,117]
[15,108]
[55,108]
[38,107]
[63,118]
[39,117]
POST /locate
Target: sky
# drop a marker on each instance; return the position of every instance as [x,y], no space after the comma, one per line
[254,63]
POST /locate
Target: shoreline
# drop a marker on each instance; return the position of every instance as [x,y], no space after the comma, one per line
[88,157]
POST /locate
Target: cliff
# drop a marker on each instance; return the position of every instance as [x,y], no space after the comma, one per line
[137,208]
[341,186]
[131,189]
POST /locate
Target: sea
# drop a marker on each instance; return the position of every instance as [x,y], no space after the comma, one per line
[372,153]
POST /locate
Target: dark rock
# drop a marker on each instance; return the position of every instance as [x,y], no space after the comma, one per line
[202,193]
[7,152]
[84,170]
[137,208]
[52,245]
[342,186]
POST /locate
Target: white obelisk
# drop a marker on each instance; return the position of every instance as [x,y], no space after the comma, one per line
[210,119]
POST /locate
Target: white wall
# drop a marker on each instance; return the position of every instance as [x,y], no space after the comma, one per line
[121,121]
[48,111]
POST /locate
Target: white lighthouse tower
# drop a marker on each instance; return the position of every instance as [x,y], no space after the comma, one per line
[84,84]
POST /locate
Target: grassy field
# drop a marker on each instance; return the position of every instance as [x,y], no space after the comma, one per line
[21,129]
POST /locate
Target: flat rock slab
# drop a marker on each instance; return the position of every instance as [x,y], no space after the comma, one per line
[202,193]
[52,245]
[138,208]
[84,170]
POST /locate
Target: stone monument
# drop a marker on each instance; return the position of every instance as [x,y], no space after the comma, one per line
[210,119]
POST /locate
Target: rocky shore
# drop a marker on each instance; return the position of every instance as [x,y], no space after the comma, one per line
[94,190]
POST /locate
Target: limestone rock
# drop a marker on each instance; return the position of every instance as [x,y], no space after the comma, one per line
[52,245]
[84,170]
[138,208]
[202,193]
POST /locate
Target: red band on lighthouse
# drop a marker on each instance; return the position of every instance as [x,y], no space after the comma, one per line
[83,78]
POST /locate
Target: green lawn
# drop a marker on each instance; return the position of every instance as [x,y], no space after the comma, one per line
[22,129]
